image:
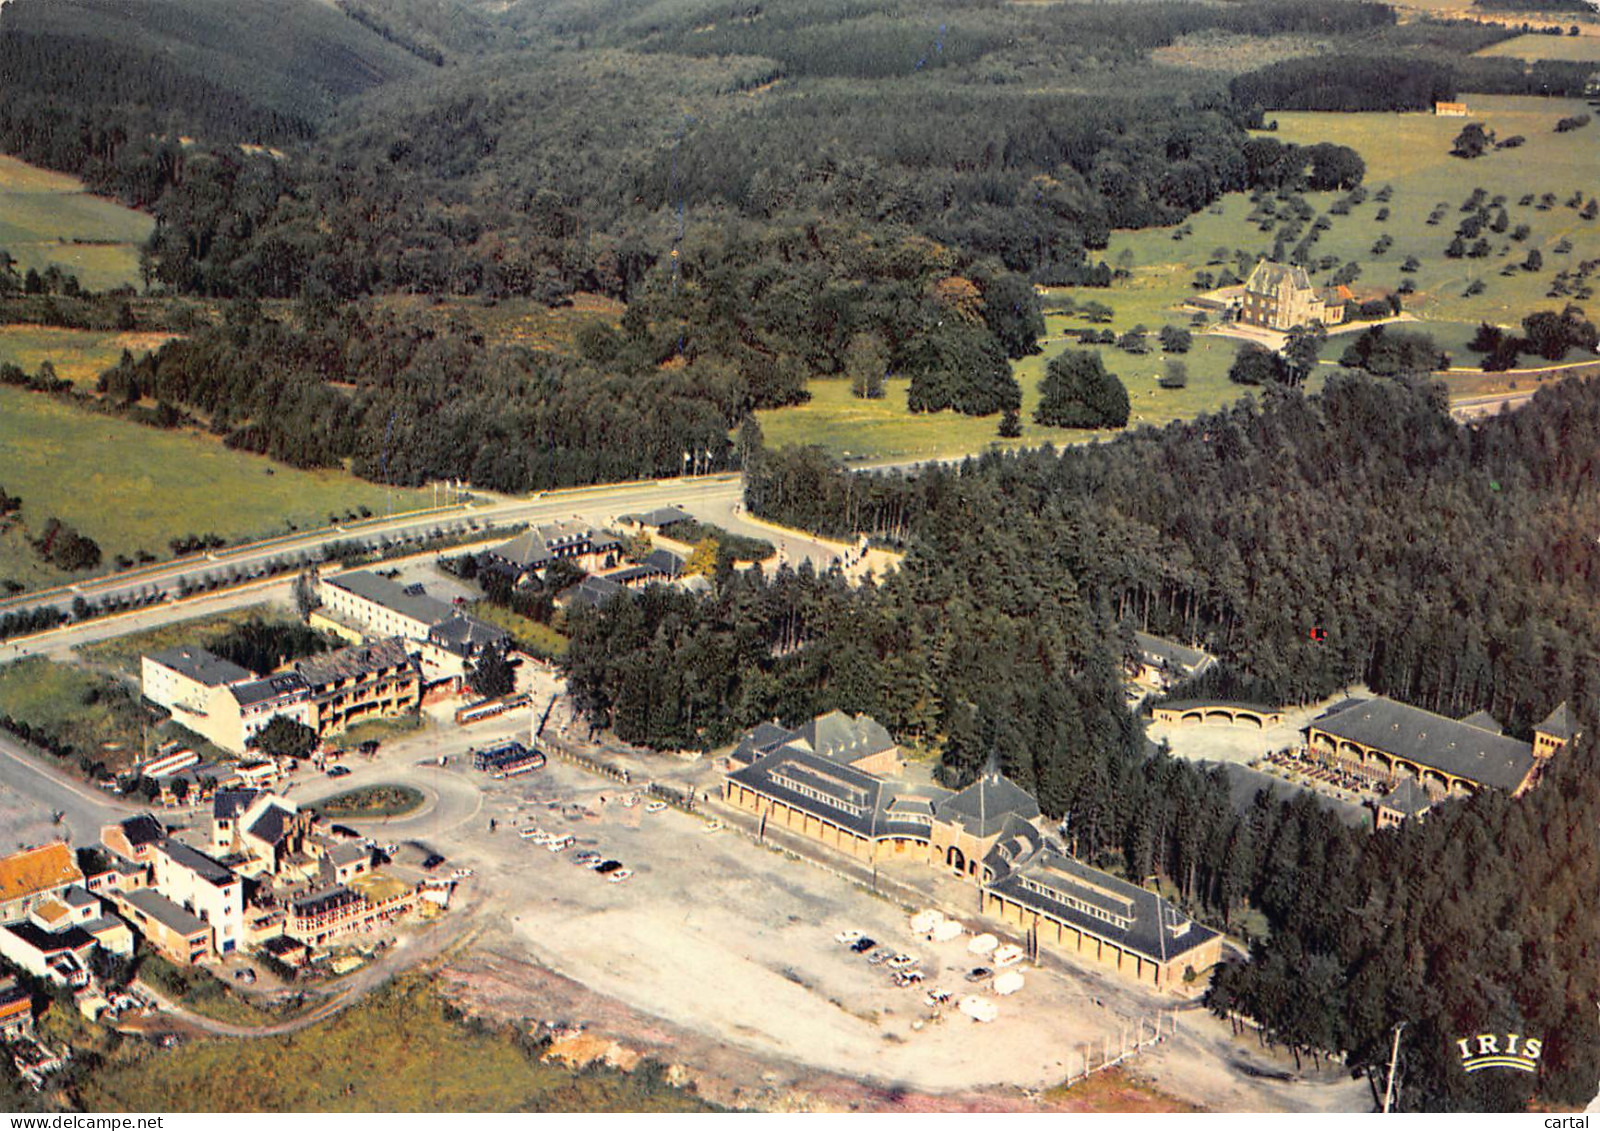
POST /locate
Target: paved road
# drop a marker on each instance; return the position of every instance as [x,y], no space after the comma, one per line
[85,809]
[1477,408]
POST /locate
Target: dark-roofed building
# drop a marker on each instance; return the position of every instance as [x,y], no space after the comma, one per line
[1405,802]
[270,833]
[658,565]
[378,607]
[218,699]
[1280,296]
[468,637]
[205,888]
[60,957]
[1387,739]
[174,672]
[531,552]
[362,682]
[991,833]
[1555,733]
[860,742]
[659,520]
[1083,911]
[178,934]
[1164,662]
[590,593]
[133,838]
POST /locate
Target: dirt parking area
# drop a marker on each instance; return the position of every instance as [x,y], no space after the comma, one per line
[715,933]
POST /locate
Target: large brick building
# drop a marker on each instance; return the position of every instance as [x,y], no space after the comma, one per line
[991,833]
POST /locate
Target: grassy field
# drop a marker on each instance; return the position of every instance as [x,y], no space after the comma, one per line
[402,1049]
[79,356]
[539,639]
[371,801]
[97,715]
[47,218]
[1409,152]
[130,487]
[202,992]
[1565,48]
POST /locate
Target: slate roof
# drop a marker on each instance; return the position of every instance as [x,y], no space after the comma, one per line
[39,869]
[322,901]
[1094,901]
[348,853]
[659,518]
[983,806]
[840,738]
[1271,278]
[1559,724]
[382,591]
[203,667]
[1160,650]
[533,548]
[272,825]
[463,634]
[763,739]
[1433,741]
[77,897]
[355,661]
[1483,720]
[592,591]
[280,945]
[142,830]
[228,804]
[270,687]
[197,862]
[1408,799]
[834,791]
[658,563]
[165,912]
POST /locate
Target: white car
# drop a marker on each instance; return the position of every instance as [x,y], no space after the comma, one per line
[621,875]
[560,843]
[903,962]
[531,832]
[845,938]
[656,807]
[711,827]
[461,874]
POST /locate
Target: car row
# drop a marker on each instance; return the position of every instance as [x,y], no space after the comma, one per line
[560,842]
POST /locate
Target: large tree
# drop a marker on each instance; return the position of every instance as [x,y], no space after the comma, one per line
[1079,392]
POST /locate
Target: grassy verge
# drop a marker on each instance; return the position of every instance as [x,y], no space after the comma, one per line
[80,716]
[134,488]
[79,356]
[1114,1090]
[380,730]
[371,801]
[402,1049]
[530,635]
[200,991]
[741,547]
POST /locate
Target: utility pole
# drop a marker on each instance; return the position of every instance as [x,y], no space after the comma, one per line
[1394,1058]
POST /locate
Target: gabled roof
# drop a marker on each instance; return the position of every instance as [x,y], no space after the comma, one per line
[1483,720]
[227,804]
[592,591]
[840,738]
[39,869]
[1408,799]
[1160,650]
[272,825]
[1559,724]
[533,548]
[839,793]
[206,668]
[1271,278]
[983,806]
[396,598]
[1433,741]
[142,830]
[462,633]
[659,518]
[1130,916]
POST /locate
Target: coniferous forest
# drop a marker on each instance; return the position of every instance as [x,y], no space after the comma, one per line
[1454,568]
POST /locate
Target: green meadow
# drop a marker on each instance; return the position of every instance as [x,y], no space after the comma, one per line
[48,218]
[1563,48]
[130,487]
[1410,153]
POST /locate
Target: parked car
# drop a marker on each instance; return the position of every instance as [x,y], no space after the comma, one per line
[903,961]
[879,956]
[848,938]
[656,807]
[432,862]
[338,771]
[979,974]
[621,875]
[905,978]
[594,862]
[863,944]
[606,867]
[560,843]
[711,827]
[934,998]
[461,874]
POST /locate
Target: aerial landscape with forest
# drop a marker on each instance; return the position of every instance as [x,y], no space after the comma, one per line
[823,556]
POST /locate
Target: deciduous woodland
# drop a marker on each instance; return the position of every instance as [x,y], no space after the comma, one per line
[1454,568]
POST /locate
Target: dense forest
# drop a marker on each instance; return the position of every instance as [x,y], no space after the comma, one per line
[1452,568]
